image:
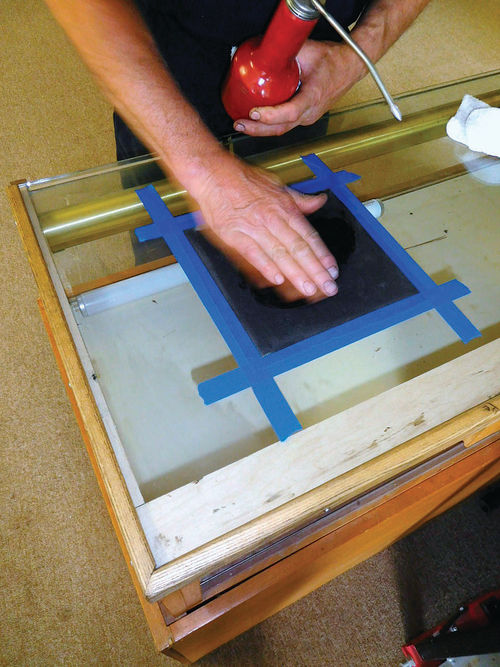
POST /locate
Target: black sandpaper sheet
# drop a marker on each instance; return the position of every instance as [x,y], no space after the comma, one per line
[368,280]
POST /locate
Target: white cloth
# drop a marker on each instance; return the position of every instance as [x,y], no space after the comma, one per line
[477,125]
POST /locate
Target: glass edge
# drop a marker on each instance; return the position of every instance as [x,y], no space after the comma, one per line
[111,167]
[37,184]
[380,101]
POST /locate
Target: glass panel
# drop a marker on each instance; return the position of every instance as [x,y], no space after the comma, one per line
[78,211]
[151,341]
[344,119]
[150,354]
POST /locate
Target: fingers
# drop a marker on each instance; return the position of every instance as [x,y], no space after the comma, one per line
[255,129]
[248,270]
[286,291]
[276,120]
[289,112]
[300,264]
[262,224]
[288,294]
[308,203]
[280,251]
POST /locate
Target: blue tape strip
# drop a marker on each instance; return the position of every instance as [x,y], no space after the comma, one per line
[333,339]
[460,324]
[172,229]
[258,372]
[276,408]
[337,183]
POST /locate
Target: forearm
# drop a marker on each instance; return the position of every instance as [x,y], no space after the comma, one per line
[382,24]
[113,40]
[246,210]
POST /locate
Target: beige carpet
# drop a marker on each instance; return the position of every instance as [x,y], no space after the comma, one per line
[65,594]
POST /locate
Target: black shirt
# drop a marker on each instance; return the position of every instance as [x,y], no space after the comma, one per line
[195,38]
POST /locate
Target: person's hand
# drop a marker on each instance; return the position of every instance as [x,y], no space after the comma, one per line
[261,226]
[328,70]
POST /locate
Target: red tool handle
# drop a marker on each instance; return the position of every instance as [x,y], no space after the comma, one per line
[283,38]
[264,71]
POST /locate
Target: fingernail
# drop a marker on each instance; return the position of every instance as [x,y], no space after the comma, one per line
[239,127]
[279,279]
[309,288]
[255,115]
[330,287]
[334,272]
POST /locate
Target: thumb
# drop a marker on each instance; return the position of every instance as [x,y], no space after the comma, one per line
[308,203]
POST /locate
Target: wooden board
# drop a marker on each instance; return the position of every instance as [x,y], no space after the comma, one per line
[292,501]
[152,611]
[102,456]
[262,595]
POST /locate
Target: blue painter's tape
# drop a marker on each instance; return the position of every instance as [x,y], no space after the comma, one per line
[462,326]
[172,230]
[334,339]
[222,386]
[276,408]
[337,182]
[257,372]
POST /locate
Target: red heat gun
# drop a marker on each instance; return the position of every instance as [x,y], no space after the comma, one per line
[264,70]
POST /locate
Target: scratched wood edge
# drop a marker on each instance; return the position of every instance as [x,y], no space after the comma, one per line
[470,426]
[110,478]
[280,585]
[155,619]
[334,520]
[276,474]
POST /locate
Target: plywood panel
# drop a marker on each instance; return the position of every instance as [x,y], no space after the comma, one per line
[277,587]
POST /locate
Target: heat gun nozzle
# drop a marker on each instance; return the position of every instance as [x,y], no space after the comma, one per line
[371,67]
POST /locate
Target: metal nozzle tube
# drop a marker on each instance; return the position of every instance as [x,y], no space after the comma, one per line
[303,9]
[371,67]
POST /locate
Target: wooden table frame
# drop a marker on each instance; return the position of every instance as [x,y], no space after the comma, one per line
[304,543]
